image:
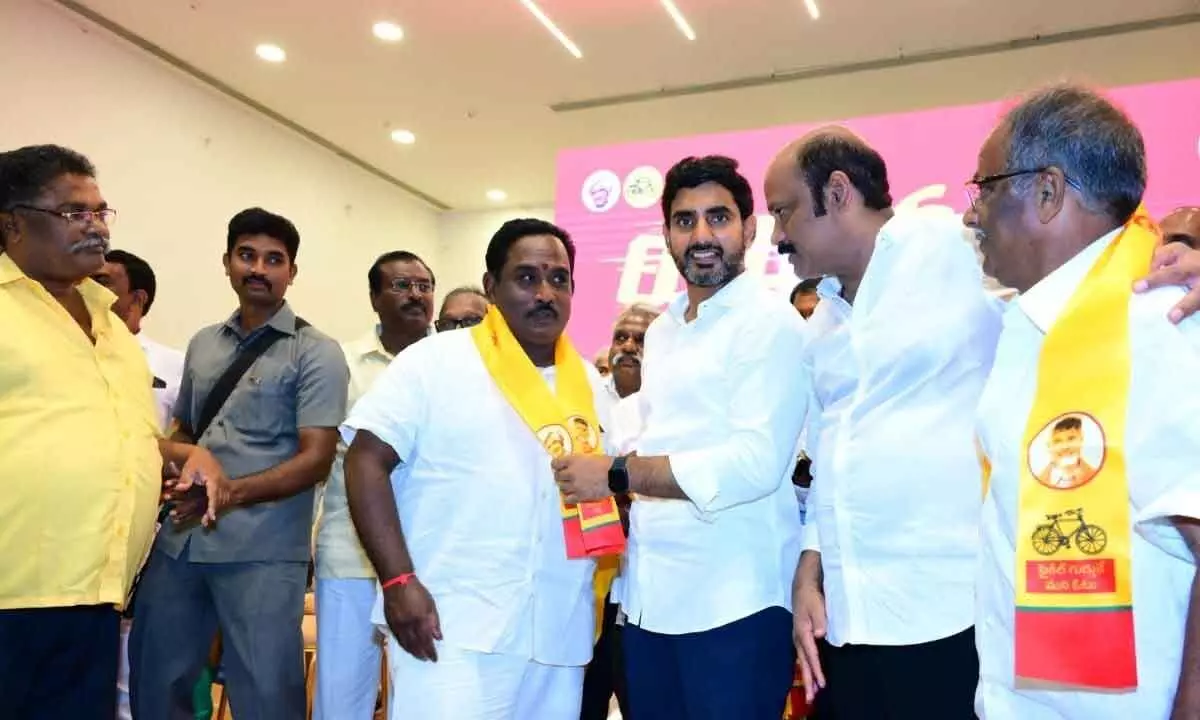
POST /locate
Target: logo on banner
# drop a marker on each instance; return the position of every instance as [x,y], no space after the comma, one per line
[601,191]
[643,187]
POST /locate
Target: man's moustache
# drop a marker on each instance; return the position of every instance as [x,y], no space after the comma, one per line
[637,359]
[542,309]
[786,248]
[259,280]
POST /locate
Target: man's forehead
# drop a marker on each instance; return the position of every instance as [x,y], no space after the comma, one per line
[407,268]
[543,251]
[260,243]
[72,188]
[631,324]
[702,198]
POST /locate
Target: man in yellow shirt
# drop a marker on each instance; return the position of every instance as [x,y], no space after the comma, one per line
[81,459]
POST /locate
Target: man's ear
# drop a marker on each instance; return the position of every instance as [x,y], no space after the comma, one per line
[749,230]
[225,263]
[141,297]
[489,287]
[1049,194]
[292,277]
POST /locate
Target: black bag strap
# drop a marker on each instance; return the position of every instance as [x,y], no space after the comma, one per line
[233,375]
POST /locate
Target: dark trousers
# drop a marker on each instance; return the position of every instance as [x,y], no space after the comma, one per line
[605,675]
[904,682]
[741,670]
[257,606]
[58,663]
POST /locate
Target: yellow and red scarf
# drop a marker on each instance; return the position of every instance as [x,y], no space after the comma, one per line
[564,421]
[1074,600]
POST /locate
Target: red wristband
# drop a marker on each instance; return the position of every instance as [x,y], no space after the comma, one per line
[401,579]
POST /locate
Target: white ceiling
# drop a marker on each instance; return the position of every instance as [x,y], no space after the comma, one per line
[476,80]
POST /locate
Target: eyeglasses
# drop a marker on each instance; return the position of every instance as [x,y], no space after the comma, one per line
[105,216]
[976,186]
[448,324]
[402,285]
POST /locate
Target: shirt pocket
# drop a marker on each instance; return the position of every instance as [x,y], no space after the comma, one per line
[264,405]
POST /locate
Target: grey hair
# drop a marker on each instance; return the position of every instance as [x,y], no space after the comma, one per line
[1082,133]
[462,290]
[638,310]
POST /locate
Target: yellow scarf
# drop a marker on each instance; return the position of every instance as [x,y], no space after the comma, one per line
[564,421]
[1074,603]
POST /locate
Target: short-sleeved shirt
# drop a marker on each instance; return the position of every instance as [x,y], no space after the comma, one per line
[80,467]
[299,382]
[478,504]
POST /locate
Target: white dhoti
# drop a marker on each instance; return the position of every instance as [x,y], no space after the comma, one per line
[350,650]
[468,685]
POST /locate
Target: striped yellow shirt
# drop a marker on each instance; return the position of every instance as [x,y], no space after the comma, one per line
[80,468]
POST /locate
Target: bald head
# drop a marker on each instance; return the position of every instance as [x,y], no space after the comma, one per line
[833,149]
[1182,225]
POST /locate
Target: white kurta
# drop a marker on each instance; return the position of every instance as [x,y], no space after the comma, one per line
[1162,438]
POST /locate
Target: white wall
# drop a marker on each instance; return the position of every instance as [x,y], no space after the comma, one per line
[463,239]
[177,160]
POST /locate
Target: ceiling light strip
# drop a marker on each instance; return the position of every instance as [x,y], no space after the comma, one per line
[680,21]
[813,11]
[546,22]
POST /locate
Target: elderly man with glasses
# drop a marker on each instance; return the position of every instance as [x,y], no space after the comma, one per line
[463,307]
[401,289]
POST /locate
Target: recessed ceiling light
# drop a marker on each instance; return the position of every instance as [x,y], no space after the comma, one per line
[553,29]
[270,53]
[388,31]
[813,11]
[680,21]
[497,195]
[404,137]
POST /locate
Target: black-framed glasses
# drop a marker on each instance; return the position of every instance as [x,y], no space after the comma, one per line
[104,216]
[448,324]
[403,285]
[976,186]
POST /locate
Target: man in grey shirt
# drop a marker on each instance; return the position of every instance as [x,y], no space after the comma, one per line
[275,436]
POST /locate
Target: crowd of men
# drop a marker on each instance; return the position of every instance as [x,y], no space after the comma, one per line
[932,502]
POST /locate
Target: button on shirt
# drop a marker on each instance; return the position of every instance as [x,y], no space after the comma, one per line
[724,397]
[478,505]
[299,382]
[80,467]
[1162,455]
[339,553]
[894,504]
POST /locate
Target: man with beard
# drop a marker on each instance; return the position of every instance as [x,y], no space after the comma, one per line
[81,456]
[606,673]
[714,528]
[244,569]
[1056,199]
[486,577]
[401,288]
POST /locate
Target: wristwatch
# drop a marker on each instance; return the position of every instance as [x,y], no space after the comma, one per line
[618,475]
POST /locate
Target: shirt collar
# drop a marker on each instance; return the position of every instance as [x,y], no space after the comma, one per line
[371,344]
[96,297]
[1044,302]
[729,296]
[284,320]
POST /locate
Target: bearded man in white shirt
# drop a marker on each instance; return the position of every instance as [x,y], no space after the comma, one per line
[400,286]
[1088,596]
[486,576]
[902,340]
[714,527]
[132,280]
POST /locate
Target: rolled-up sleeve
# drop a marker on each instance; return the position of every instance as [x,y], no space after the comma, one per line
[767,410]
[394,408]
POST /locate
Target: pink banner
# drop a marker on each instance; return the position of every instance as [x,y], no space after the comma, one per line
[608,197]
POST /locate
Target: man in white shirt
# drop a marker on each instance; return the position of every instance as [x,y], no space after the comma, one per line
[605,675]
[1055,201]
[902,341]
[714,528]
[401,288]
[132,280]
[453,498]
